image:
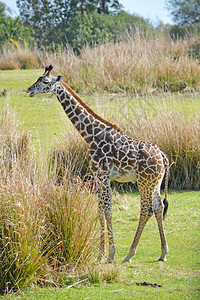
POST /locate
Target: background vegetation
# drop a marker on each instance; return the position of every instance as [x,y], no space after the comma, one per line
[54,24]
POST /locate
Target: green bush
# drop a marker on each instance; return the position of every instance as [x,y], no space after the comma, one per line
[94,28]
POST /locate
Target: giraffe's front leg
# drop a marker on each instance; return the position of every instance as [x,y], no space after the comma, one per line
[105,210]
[102,233]
[108,215]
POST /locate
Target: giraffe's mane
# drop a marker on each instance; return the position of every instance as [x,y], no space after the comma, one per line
[89,109]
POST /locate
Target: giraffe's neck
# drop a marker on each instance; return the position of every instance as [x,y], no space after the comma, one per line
[79,113]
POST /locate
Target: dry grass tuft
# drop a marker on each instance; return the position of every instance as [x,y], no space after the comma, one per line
[45,228]
[22,59]
[99,273]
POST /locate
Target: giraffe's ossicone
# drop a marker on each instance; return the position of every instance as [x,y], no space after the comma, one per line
[114,156]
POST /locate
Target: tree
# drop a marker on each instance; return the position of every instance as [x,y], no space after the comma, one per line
[107,6]
[184,12]
[95,28]
[51,19]
[100,6]
[4,10]
[11,29]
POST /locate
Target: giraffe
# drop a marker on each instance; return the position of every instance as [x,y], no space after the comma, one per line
[114,156]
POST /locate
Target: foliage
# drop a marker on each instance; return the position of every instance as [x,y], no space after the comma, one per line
[101,6]
[94,28]
[51,20]
[184,31]
[47,18]
[184,12]
[4,10]
[12,30]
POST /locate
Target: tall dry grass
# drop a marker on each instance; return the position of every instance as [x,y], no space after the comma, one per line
[22,59]
[138,65]
[46,228]
[173,130]
[69,156]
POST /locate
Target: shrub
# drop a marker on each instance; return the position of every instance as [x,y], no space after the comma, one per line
[94,28]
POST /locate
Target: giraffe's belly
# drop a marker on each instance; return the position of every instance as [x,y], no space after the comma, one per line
[123,175]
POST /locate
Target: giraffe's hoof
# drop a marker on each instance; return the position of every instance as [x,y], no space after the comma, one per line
[110,260]
[127,259]
[162,259]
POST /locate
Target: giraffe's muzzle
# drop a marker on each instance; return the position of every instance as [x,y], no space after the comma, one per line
[32,92]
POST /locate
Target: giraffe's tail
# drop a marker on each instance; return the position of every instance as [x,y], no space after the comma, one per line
[167,173]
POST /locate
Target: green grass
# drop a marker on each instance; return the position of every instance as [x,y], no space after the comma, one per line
[42,116]
[178,276]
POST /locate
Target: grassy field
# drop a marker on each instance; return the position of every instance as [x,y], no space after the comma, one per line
[46,121]
[42,116]
[178,277]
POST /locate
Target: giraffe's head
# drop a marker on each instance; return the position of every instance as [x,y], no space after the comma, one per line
[45,83]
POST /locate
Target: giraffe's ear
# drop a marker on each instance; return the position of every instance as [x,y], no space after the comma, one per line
[59,78]
[48,70]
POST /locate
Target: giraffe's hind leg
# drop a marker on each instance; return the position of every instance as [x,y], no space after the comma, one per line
[158,210]
[145,214]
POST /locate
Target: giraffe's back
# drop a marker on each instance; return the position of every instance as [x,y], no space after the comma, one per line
[123,157]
